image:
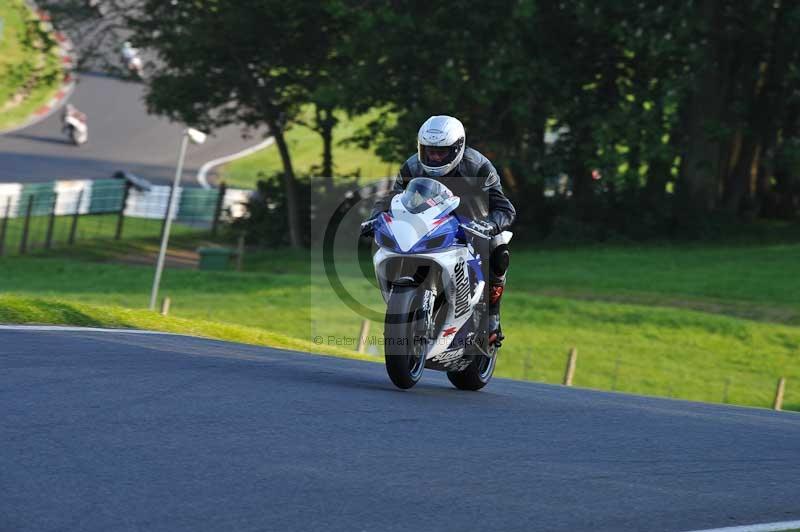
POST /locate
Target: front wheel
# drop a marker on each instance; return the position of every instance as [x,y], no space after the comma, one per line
[404,336]
[477,374]
[76,136]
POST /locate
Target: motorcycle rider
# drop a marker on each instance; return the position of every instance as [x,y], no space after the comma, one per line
[442,155]
[128,51]
[131,58]
[72,111]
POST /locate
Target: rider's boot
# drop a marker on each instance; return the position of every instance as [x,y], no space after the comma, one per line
[491,321]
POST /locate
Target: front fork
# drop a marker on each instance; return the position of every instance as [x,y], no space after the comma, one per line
[428,306]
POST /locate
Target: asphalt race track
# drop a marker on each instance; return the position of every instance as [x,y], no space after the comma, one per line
[120,431]
[122,136]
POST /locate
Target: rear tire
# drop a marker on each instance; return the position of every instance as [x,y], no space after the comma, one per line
[476,375]
[404,348]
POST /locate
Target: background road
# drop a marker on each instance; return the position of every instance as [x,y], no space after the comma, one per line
[118,431]
[121,137]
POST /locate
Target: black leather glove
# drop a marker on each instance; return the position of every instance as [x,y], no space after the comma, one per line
[484,227]
[368,227]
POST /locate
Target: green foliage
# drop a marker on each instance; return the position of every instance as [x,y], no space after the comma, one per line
[672,104]
[661,116]
[30,70]
[265,222]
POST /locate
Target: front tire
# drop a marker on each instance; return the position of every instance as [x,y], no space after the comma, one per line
[477,374]
[73,135]
[404,333]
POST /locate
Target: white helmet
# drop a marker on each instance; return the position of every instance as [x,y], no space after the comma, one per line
[440,144]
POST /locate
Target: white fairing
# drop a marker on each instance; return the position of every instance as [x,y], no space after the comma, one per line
[80,132]
[454,263]
[459,264]
[462,296]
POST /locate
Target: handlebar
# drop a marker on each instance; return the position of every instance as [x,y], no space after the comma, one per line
[474,232]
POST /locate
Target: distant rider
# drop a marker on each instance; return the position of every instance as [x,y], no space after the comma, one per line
[442,155]
[70,111]
[129,52]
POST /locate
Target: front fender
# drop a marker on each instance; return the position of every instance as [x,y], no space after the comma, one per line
[442,262]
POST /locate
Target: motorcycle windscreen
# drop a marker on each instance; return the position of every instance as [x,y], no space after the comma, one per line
[423,193]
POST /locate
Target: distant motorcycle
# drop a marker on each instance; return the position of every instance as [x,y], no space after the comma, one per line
[74,125]
[132,60]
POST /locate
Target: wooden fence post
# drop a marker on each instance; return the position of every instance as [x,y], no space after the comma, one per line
[778,403]
[570,372]
[218,208]
[121,215]
[74,227]
[362,336]
[165,306]
[4,227]
[23,243]
[51,222]
[239,252]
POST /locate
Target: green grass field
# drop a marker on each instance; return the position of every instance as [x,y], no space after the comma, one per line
[95,228]
[305,147]
[715,324]
[30,71]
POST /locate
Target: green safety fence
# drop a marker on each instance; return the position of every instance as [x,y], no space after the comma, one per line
[198,204]
[107,195]
[40,196]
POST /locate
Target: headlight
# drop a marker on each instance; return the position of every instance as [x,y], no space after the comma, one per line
[385,241]
[434,243]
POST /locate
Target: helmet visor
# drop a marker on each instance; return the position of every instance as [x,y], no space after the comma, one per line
[436,156]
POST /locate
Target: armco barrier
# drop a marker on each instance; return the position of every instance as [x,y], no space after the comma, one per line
[42,215]
[105,196]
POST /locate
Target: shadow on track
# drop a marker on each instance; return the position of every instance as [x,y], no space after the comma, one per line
[38,138]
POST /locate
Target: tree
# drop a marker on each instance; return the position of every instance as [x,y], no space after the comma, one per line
[252,61]
[94,27]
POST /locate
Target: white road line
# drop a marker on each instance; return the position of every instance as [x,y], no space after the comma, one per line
[66,328]
[765,527]
[203,173]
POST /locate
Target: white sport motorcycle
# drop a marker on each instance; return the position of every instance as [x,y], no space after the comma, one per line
[433,283]
[74,126]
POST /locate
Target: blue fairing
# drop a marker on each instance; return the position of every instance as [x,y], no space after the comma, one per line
[383,235]
[476,272]
[445,235]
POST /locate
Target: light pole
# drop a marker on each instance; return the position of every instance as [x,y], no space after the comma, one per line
[197,137]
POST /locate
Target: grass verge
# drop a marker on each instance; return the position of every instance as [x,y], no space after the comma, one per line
[30,69]
[709,324]
[53,311]
[93,232]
